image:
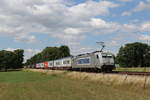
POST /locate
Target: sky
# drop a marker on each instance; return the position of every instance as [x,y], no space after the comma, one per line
[33,25]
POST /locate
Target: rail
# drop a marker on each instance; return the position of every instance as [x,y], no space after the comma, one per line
[132,73]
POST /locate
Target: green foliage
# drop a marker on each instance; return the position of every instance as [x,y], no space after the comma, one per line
[10,59]
[49,53]
[134,55]
[22,77]
[18,58]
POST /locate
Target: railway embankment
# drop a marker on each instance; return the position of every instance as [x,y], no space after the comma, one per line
[132,81]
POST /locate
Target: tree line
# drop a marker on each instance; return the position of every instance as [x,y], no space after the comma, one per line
[11,59]
[49,53]
[130,55]
[134,55]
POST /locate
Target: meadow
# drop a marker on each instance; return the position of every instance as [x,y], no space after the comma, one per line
[27,85]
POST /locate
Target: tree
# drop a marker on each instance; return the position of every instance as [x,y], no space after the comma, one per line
[10,59]
[133,55]
[49,53]
[19,58]
[64,51]
[6,59]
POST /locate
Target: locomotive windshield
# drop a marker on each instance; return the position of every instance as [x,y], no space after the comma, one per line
[104,55]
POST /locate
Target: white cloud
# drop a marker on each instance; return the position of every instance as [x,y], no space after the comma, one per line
[130,28]
[145,26]
[20,18]
[144,37]
[113,43]
[26,38]
[72,31]
[140,7]
[11,49]
[103,27]
[91,8]
[126,13]
[30,52]
[99,23]
[126,0]
[40,10]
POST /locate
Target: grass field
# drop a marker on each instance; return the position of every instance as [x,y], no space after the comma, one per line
[26,85]
[138,69]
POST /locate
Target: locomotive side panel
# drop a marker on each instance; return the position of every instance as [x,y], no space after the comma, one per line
[84,61]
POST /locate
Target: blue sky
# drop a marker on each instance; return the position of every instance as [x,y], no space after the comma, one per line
[33,25]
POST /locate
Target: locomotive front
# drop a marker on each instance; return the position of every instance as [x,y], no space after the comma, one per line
[108,63]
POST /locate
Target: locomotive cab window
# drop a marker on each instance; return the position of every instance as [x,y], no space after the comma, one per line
[106,55]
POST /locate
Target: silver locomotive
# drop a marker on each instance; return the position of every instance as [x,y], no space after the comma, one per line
[95,61]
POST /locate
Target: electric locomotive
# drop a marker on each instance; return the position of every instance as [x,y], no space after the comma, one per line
[95,61]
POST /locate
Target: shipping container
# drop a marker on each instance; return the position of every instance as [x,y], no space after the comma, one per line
[46,64]
[50,64]
[58,63]
[66,62]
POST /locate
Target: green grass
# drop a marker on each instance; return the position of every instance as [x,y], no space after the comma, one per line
[22,85]
[139,69]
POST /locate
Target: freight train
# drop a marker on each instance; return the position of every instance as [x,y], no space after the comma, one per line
[95,61]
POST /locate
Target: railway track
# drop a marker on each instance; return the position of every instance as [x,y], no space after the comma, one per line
[117,72]
[132,73]
[122,73]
